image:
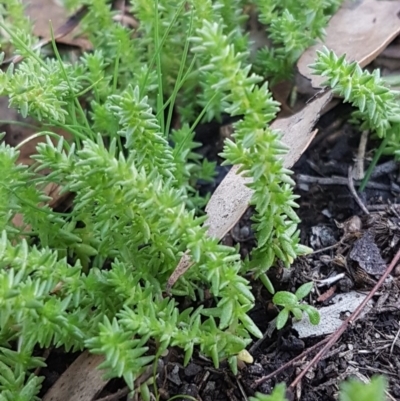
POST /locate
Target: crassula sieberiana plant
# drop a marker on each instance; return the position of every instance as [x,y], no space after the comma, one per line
[95,277]
[350,390]
[376,106]
[292,27]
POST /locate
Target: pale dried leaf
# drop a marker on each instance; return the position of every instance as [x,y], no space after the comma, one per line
[184,264]
[360,29]
[82,381]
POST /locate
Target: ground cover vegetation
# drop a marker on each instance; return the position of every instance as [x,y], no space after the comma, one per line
[95,277]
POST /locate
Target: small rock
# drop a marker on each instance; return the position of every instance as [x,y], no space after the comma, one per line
[245,232]
[256,369]
[292,344]
[345,284]
[351,225]
[192,369]
[210,387]
[366,253]
[188,389]
[173,376]
[322,237]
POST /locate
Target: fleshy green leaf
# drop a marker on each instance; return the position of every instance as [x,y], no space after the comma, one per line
[285,298]
[282,318]
[312,313]
[304,290]
[354,390]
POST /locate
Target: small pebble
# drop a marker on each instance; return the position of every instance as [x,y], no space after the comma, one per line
[192,369]
[245,232]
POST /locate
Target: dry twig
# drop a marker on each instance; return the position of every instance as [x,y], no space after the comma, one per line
[354,192]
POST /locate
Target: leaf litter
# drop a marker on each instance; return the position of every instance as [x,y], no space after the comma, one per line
[66,29]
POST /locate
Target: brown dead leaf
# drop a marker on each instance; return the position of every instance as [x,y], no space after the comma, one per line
[281,92]
[360,29]
[41,12]
[80,382]
[83,381]
[183,266]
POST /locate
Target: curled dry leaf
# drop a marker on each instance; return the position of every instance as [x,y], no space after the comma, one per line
[360,29]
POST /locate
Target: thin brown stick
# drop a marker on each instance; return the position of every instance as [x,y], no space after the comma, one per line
[354,192]
[309,179]
[332,339]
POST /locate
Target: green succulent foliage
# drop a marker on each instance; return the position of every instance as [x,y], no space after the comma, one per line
[354,390]
[38,89]
[256,148]
[13,16]
[378,106]
[18,387]
[291,304]
[292,27]
[278,394]
[94,278]
[350,390]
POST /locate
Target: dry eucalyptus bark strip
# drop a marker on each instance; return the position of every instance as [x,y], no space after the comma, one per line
[73,383]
